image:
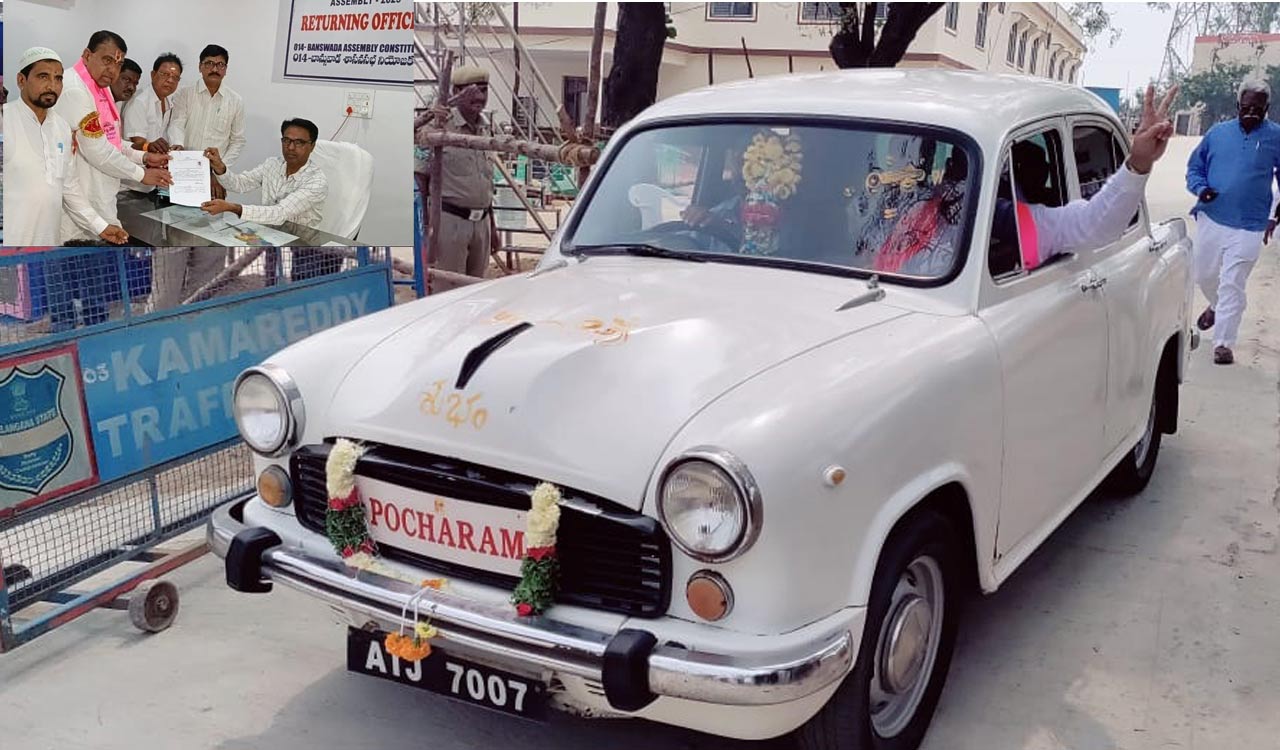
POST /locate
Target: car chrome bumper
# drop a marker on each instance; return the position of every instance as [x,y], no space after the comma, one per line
[631,665]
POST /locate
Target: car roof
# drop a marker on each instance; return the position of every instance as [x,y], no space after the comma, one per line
[983,105]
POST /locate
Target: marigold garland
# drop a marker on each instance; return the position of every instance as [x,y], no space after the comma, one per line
[771,169]
[411,648]
[540,570]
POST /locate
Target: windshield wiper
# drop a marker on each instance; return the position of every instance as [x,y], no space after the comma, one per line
[641,250]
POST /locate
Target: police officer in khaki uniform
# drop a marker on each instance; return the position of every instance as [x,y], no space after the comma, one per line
[467,228]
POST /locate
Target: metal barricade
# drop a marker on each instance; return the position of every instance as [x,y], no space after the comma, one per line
[116,433]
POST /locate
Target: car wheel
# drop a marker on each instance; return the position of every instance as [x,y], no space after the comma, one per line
[1135,470]
[887,700]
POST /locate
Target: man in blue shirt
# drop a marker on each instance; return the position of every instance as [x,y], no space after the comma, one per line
[1231,173]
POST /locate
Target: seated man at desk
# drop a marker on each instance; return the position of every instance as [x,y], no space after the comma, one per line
[293,189]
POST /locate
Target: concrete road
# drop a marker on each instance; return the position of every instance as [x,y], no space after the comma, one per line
[1142,624]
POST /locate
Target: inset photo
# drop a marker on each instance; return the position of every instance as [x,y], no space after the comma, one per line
[245,122]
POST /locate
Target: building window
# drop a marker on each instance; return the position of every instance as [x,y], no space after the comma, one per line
[953,16]
[1062,70]
[1022,48]
[1012,53]
[820,12]
[980,36]
[1035,54]
[575,98]
[882,11]
[731,11]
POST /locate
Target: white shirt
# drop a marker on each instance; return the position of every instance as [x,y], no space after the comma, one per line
[1087,224]
[41,180]
[201,120]
[298,198]
[143,118]
[99,165]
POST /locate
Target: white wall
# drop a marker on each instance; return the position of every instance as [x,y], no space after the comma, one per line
[253,33]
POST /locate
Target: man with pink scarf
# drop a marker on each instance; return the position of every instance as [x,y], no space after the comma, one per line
[102,161]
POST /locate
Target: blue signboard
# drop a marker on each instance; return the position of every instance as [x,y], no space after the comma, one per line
[162,389]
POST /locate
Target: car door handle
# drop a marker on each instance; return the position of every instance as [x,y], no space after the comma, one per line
[1092,283]
[1157,245]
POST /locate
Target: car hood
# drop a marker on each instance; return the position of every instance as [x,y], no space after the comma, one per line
[602,363]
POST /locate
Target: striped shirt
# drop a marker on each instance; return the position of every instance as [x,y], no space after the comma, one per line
[298,197]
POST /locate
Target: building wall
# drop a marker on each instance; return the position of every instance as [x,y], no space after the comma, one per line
[778,41]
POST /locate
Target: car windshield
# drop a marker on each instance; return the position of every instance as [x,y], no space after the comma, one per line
[876,201]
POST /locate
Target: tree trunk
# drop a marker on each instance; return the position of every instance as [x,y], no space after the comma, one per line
[632,84]
[900,27]
[854,45]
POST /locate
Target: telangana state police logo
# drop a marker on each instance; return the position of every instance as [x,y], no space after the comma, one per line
[35,437]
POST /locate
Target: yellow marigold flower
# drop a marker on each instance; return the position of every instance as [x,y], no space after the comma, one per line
[424,631]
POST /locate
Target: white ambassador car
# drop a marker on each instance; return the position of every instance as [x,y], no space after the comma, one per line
[791,430]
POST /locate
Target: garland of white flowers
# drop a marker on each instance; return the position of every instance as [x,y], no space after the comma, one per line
[540,570]
[348,532]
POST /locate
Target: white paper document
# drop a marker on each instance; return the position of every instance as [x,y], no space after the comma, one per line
[190,171]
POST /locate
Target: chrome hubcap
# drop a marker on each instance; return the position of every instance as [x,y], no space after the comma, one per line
[1144,445]
[907,647]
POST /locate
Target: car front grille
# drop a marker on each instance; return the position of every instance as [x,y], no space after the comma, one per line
[615,560]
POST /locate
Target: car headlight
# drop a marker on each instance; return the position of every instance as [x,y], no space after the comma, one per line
[268,409]
[710,505]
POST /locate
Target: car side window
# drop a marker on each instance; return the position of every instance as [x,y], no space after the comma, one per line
[1032,174]
[1099,155]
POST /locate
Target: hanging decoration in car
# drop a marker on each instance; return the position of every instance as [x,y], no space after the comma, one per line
[771,168]
[540,570]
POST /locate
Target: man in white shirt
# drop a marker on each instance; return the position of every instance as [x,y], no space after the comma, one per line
[101,158]
[147,115]
[293,189]
[1102,218]
[210,114]
[126,84]
[40,174]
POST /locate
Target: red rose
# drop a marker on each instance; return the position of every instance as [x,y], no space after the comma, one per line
[367,546]
[540,553]
[348,551]
[524,610]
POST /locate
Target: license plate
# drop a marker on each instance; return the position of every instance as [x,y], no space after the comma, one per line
[448,675]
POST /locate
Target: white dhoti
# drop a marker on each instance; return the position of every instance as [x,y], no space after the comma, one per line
[1223,259]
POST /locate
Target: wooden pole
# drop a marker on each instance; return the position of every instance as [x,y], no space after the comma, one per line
[593,84]
[436,202]
[571,154]
[593,76]
[515,63]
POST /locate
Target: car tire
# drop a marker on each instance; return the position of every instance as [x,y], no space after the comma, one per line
[1135,470]
[885,703]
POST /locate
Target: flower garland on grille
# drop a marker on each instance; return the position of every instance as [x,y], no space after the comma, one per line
[344,521]
[348,532]
[540,570]
[771,168]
